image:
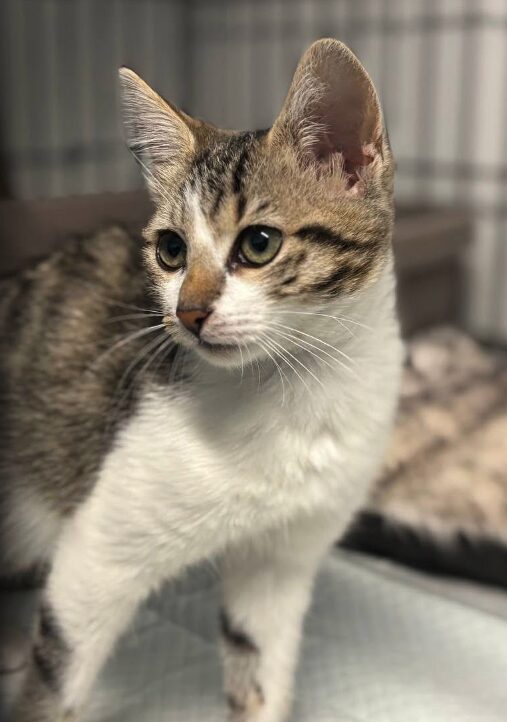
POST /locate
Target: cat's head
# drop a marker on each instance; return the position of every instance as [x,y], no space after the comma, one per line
[256,231]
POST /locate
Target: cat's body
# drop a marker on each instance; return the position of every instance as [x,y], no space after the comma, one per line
[142,459]
[57,321]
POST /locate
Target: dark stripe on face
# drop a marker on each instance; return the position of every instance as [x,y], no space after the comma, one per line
[220,168]
[202,167]
[239,169]
[285,272]
[326,237]
[290,280]
[244,142]
[289,265]
[241,207]
[347,275]
[237,638]
[214,165]
[262,207]
[218,200]
[353,261]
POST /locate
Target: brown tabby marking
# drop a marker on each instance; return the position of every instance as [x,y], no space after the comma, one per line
[201,286]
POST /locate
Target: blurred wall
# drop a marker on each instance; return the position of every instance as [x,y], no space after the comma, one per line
[59,127]
[440,67]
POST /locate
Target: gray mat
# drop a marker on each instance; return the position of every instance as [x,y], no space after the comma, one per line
[375,649]
[381,645]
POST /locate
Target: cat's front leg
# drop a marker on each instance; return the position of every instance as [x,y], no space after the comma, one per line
[267,587]
[133,532]
[108,559]
[86,604]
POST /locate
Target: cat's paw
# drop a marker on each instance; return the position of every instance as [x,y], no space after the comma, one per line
[246,706]
[252,707]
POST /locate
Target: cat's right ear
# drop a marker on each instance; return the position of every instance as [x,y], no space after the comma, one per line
[158,134]
[332,111]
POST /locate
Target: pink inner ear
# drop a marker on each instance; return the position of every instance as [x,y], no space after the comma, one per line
[342,132]
[353,158]
[353,164]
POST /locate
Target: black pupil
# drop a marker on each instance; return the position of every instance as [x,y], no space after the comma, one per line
[173,246]
[259,241]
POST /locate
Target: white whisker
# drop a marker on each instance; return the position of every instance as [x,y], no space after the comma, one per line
[125,340]
[273,346]
[166,346]
[166,343]
[135,316]
[319,340]
[339,319]
[147,348]
[298,342]
[179,357]
[242,362]
[298,361]
[250,358]
[119,395]
[114,302]
[277,365]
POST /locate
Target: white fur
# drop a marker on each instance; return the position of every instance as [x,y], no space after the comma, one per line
[223,469]
[203,242]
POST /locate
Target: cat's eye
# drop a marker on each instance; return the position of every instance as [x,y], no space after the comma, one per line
[171,250]
[258,245]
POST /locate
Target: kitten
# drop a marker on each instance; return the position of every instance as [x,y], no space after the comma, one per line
[244,407]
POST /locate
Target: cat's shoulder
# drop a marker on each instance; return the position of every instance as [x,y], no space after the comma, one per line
[110,250]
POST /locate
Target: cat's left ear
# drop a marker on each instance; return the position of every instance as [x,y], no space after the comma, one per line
[158,134]
[332,108]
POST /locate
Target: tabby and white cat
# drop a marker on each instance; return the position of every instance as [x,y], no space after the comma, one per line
[245,406]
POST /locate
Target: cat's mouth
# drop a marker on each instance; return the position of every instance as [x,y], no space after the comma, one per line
[217,347]
[219,354]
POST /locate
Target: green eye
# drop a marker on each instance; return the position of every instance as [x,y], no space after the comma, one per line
[171,250]
[258,245]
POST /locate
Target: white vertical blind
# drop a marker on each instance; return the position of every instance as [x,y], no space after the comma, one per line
[59,127]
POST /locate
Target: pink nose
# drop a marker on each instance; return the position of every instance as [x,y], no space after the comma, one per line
[193,318]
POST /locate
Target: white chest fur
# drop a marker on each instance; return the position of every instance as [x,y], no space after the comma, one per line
[222,467]
[196,469]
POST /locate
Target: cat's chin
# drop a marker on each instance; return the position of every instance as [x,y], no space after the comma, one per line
[216,354]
